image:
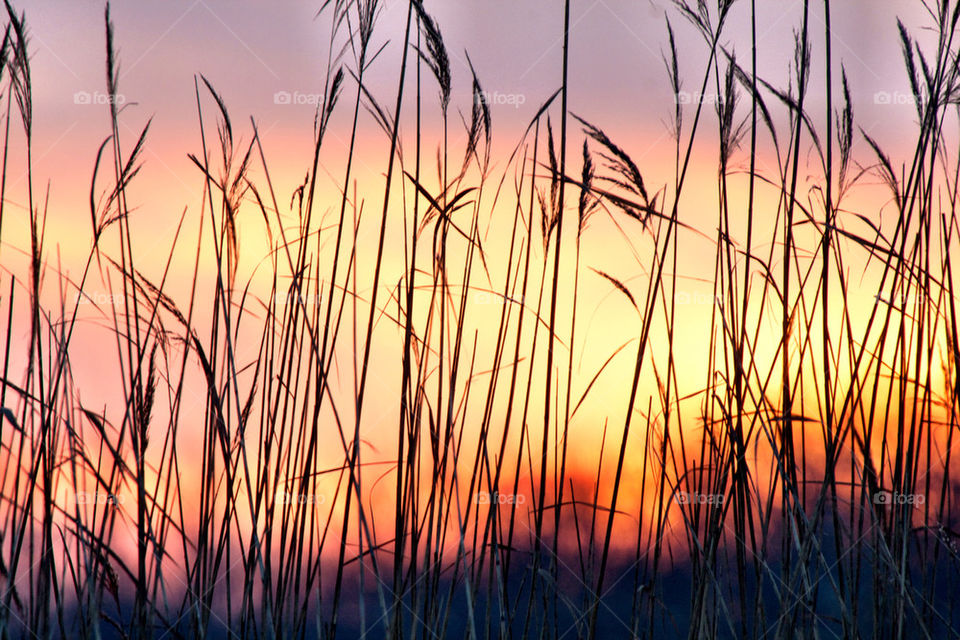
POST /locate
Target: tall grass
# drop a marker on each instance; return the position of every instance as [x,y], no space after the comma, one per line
[804,489]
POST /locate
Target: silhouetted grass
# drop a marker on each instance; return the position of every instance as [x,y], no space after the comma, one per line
[804,489]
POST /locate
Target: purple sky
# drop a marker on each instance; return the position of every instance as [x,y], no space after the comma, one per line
[251,50]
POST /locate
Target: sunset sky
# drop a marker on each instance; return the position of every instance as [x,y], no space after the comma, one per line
[686,334]
[268,60]
[250,50]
